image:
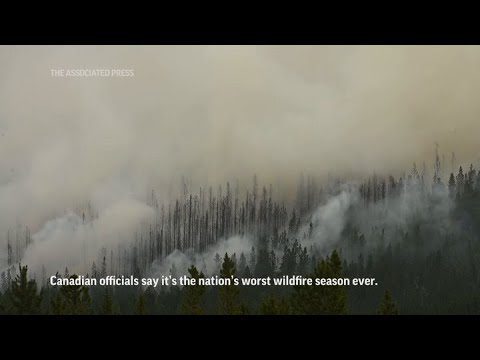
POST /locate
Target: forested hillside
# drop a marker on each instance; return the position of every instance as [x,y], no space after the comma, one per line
[417,234]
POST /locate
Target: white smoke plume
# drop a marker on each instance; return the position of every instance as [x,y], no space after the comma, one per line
[396,213]
[70,242]
[328,221]
[205,261]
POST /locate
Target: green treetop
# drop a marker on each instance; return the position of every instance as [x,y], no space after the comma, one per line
[387,306]
[192,302]
[22,296]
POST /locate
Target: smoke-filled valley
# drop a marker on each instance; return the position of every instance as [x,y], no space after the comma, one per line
[411,233]
[366,163]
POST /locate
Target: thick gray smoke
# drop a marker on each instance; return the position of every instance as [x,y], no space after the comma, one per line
[211,114]
[71,242]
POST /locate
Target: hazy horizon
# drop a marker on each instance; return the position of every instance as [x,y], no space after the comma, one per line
[217,113]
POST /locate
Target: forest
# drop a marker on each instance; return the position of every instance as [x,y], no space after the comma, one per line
[417,234]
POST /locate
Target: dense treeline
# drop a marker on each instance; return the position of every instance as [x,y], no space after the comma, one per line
[416,234]
[24,297]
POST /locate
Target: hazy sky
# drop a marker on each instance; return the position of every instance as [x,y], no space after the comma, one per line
[215,113]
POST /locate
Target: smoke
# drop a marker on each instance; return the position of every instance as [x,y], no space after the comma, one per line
[71,242]
[215,113]
[380,223]
[324,230]
[329,220]
[409,208]
[205,262]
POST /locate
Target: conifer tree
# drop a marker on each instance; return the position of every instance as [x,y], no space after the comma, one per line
[387,306]
[107,303]
[274,306]
[303,261]
[247,272]
[325,300]
[72,300]
[229,302]
[140,304]
[94,270]
[22,296]
[242,264]
[460,182]
[218,261]
[451,185]
[193,298]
